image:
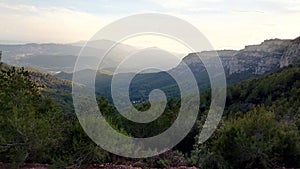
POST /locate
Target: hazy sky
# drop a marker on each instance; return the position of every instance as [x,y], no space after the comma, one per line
[226,23]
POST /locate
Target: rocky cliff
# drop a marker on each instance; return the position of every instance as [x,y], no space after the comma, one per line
[253,59]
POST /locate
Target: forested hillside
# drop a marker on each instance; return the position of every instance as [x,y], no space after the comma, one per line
[260,127]
[34,129]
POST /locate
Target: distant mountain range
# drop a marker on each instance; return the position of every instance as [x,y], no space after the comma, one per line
[239,65]
[53,58]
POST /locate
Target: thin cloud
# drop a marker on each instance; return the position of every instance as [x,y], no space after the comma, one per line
[229,24]
[245,11]
[180,4]
[19,7]
[54,24]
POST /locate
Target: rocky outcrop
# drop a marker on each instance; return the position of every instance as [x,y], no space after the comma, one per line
[291,54]
[253,59]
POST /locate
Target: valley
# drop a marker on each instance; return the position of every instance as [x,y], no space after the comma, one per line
[260,127]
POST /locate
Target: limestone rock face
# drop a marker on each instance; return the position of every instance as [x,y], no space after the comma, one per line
[291,54]
[253,59]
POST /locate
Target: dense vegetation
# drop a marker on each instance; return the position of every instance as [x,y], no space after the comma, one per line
[260,127]
[33,128]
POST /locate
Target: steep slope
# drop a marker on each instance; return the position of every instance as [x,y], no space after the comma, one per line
[291,54]
[254,59]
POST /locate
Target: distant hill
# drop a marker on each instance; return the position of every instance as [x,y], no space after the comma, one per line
[250,62]
[57,57]
[53,58]
[253,61]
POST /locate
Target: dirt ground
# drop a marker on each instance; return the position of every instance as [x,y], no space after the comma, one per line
[92,166]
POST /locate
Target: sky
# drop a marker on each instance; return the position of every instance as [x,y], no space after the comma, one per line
[227,24]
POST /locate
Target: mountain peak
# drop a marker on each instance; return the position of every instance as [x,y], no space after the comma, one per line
[297,40]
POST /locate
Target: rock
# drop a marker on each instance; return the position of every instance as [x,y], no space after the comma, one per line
[139,164]
[253,59]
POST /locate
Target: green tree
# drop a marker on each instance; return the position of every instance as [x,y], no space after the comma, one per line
[31,125]
[253,140]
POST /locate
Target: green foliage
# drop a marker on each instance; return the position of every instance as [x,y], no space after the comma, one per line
[33,128]
[258,140]
[261,126]
[267,89]
[139,129]
[29,122]
[168,159]
[254,140]
[79,149]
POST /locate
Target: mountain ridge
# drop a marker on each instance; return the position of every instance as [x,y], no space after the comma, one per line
[257,59]
[251,62]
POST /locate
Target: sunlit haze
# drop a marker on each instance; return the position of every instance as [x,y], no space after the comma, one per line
[227,24]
